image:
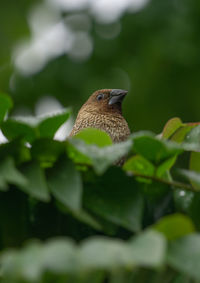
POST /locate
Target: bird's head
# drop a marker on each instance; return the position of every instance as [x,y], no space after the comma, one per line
[105,100]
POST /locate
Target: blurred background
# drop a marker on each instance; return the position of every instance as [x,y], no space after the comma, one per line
[55,53]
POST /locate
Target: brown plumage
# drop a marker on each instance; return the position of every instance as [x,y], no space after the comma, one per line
[103,110]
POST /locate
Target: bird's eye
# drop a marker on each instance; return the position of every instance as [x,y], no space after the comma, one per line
[100,96]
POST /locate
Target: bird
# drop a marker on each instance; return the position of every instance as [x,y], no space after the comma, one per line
[103,110]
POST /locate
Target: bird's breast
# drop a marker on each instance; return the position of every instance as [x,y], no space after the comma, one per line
[115,126]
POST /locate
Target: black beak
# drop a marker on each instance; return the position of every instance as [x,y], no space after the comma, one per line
[117,96]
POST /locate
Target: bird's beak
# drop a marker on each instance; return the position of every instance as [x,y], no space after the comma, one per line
[117,95]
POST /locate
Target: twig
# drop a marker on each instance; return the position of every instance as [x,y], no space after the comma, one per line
[180,185]
[176,184]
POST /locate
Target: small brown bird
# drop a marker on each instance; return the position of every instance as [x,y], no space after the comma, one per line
[103,110]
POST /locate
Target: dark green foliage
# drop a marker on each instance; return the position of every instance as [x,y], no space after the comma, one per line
[31,128]
[70,215]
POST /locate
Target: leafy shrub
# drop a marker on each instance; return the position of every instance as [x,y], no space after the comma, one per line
[91,221]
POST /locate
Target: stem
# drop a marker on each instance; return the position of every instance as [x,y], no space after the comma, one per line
[180,185]
[176,184]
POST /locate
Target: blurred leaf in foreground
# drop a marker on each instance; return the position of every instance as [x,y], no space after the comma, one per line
[154,149]
[94,136]
[9,174]
[5,105]
[62,256]
[31,128]
[101,157]
[36,185]
[175,226]
[65,184]
[184,255]
[171,127]
[116,198]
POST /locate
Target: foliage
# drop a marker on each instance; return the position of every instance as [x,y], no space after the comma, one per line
[87,220]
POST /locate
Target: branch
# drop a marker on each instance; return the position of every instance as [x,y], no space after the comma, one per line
[176,184]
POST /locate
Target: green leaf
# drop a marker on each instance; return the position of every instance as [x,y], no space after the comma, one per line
[101,158]
[5,105]
[138,164]
[9,174]
[154,149]
[148,249]
[17,149]
[24,265]
[116,198]
[174,226]
[29,264]
[194,165]
[59,256]
[184,255]
[165,166]
[104,253]
[47,150]
[194,136]
[90,136]
[14,129]
[81,215]
[76,156]
[191,140]
[65,184]
[195,161]
[36,186]
[181,134]
[177,131]
[86,218]
[94,136]
[171,127]
[31,128]
[49,125]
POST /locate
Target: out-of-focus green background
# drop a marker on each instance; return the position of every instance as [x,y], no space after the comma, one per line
[57,52]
